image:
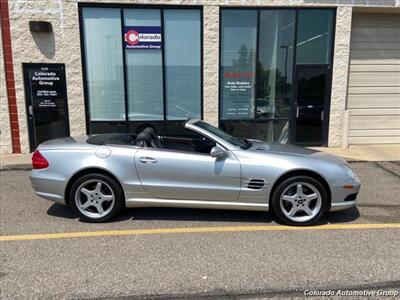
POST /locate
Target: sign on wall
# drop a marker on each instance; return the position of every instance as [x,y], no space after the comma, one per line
[142,37]
[238,95]
[47,86]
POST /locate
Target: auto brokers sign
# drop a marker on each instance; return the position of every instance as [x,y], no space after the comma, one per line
[142,37]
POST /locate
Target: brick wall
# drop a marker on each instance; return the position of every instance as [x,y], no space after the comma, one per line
[8,69]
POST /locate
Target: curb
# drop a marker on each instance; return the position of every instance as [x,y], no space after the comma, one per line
[15,167]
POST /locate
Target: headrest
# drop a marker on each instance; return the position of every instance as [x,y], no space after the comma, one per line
[150,131]
[143,139]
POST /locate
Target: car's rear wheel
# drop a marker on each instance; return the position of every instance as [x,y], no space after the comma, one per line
[96,198]
[300,200]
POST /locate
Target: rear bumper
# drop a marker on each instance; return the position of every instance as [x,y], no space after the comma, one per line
[47,185]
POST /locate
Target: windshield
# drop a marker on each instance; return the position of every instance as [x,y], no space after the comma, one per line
[240,143]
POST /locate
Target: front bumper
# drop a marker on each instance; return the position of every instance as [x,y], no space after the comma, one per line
[337,206]
[344,197]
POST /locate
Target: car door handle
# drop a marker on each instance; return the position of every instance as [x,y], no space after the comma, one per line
[147,160]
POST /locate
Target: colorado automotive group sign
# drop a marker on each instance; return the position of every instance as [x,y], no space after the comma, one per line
[142,37]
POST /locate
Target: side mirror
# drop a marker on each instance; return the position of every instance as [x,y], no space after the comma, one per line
[217,152]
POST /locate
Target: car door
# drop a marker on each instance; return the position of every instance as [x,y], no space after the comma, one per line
[171,174]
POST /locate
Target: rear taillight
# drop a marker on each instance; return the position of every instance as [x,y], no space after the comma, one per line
[38,161]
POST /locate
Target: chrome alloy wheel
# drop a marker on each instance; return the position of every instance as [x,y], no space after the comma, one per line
[300,202]
[94,198]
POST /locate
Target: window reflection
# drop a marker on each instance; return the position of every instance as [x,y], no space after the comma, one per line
[141,79]
[144,71]
[273,131]
[275,64]
[238,63]
[104,68]
[268,114]
[182,63]
[314,36]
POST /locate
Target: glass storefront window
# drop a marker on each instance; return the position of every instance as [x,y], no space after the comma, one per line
[142,66]
[104,64]
[275,63]
[238,63]
[271,114]
[182,63]
[314,36]
[144,71]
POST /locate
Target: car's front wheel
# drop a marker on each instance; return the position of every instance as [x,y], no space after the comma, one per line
[96,198]
[300,200]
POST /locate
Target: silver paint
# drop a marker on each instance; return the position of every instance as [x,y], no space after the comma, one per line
[159,177]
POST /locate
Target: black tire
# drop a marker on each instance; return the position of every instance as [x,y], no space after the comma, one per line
[119,199]
[276,198]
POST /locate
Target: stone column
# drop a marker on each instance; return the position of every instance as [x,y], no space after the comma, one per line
[340,75]
[210,63]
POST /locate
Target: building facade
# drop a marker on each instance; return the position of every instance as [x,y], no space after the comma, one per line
[308,72]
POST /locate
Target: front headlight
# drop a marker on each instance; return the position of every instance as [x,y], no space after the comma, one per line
[350,172]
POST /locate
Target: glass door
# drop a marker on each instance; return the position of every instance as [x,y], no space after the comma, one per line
[46,102]
[312,105]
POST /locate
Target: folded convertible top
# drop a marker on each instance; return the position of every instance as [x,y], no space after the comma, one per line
[112,138]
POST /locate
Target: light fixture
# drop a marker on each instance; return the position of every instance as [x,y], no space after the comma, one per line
[40,26]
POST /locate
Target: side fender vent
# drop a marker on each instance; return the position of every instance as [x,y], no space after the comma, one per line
[256,184]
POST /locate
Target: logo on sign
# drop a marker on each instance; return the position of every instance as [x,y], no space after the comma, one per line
[132,37]
[142,37]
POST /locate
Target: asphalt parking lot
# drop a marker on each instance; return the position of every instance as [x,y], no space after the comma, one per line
[139,255]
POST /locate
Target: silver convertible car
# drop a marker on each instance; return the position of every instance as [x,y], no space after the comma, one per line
[99,175]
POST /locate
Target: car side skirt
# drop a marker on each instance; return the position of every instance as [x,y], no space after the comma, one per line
[146,202]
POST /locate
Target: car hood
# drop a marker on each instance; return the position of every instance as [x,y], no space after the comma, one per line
[292,150]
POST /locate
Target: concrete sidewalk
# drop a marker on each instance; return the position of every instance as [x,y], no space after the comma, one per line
[15,161]
[353,153]
[388,152]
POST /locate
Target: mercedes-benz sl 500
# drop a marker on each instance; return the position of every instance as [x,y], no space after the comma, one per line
[100,175]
